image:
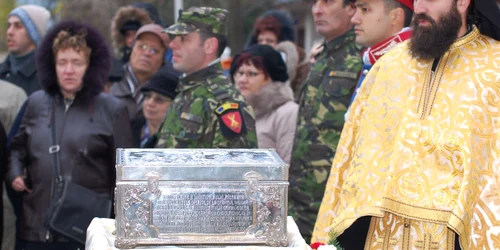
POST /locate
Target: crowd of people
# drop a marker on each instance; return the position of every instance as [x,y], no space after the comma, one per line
[389,126]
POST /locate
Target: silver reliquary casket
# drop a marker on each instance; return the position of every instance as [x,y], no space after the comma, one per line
[200,196]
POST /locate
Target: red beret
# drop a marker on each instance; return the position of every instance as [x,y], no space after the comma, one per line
[407,3]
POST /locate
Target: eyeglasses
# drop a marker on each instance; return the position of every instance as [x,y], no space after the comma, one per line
[157,98]
[248,74]
[149,49]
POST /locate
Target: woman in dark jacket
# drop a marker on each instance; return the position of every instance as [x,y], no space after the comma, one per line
[73,64]
[159,93]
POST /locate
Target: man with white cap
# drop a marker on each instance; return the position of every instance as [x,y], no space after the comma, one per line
[146,58]
[27,24]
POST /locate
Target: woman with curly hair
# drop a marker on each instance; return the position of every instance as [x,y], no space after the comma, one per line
[73,63]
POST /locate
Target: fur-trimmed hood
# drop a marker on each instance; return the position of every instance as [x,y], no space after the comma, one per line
[99,63]
[287,28]
[270,97]
[124,14]
[292,57]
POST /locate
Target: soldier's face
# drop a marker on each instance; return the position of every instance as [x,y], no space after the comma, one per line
[331,17]
[188,52]
[372,22]
[249,79]
[147,54]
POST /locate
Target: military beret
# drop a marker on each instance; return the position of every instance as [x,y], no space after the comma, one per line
[213,20]
[407,3]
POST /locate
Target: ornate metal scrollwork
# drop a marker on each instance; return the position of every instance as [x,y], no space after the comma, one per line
[138,202]
[135,204]
[153,185]
[125,243]
[269,203]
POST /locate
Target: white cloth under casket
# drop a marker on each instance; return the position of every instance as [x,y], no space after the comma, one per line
[100,237]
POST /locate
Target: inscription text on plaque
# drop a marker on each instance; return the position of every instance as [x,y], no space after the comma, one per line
[209,212]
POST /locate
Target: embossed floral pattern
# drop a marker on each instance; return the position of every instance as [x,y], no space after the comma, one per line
[422,144]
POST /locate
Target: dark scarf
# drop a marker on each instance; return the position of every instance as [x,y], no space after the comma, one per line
[16,63]
[125,52]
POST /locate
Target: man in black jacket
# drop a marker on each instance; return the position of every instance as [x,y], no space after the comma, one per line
[26,26]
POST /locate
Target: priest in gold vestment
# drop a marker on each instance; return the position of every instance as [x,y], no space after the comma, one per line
[418,163]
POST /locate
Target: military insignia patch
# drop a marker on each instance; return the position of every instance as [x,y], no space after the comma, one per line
[226,106]
[233,121]
[343,74]
[230,119]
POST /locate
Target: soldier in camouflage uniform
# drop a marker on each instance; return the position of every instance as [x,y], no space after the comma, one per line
[323,102]
[208,111]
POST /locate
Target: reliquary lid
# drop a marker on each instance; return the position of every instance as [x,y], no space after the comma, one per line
[200,164]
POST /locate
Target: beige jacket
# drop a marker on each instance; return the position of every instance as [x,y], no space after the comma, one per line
[276,115]
[12,98]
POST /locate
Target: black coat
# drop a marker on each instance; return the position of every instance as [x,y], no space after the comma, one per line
[88,133]
[25,79]
[137,126]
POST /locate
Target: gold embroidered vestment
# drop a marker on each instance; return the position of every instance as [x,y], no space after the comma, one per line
[422,146]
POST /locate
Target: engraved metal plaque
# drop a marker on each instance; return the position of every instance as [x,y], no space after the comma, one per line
[202,196]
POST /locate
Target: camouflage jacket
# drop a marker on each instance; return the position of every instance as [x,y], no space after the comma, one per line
[323,102]
[208,112]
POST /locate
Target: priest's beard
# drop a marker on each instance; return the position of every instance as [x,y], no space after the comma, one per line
[432,42]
